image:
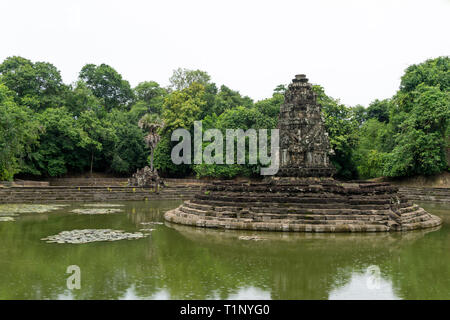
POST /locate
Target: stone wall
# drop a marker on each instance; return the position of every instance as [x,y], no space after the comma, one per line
[88,193]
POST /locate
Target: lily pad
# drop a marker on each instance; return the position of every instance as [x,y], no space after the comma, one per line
[6,219]
[80,236]
[254,238]
[8,215]
[29,208]
[97,211]
[103,205]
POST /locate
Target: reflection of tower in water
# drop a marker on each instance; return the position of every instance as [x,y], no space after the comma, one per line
[299,265]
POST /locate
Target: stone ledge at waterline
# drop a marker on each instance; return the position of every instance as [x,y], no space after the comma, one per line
[176,189]
[302,205]
[85,193]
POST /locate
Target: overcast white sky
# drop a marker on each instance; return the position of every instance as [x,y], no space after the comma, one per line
[357,50]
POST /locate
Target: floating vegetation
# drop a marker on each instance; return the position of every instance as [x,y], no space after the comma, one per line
[254,238]
[97,211]
[103,205]
[6,219]
[8,214]
[29,208]
[93,235]
[146,230]
[151,222]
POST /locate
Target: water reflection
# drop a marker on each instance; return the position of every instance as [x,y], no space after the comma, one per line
[360,287]
[244,293]
[178,262]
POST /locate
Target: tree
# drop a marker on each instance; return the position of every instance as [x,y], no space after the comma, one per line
[370,154]
[125,152]
[96,132]
[379,109]
[271,106]
[236,118]
[18,131]
[227,99]
[418,120]
[37,85]
[432,72]
[152,124]
[182,108]
[183,78]
[149,97]
[360,114]
[61,145]
[420,143]
[163,161]
[81,99]
[341,126]
[107,84]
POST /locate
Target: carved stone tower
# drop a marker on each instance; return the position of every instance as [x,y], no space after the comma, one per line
[303,197]
[304,144]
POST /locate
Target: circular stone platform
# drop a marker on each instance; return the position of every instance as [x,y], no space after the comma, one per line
[302,205]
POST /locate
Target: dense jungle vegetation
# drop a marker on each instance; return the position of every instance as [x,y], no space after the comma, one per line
[100,123]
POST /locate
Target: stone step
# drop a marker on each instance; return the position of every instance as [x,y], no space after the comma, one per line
[286,210]
[277,216]
[299,205]
[231,223]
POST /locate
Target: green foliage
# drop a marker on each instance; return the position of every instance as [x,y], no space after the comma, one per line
[408,134]
[61,146]
[127,152]
[184,78]
[36,85]
[271,106]
[18,131]
[99,123]
[152,124]
[163,162]
[107,84]
[379,110]
[236,118]
[341,126]
[432,72]
[420,139]
[149,98]
[228,99]
[370,154]
[82,99]
[182,108]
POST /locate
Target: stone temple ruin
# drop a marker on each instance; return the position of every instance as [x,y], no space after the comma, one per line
[146,177]
[304,145]
[303,196]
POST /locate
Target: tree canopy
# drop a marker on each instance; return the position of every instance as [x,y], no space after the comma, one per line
[100,123]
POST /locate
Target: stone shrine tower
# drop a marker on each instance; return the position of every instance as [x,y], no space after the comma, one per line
[304,144]
[303,197]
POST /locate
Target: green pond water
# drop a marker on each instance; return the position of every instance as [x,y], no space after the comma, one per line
[178,262]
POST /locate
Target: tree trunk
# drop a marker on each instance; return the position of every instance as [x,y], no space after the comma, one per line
[151,160]
[92,160]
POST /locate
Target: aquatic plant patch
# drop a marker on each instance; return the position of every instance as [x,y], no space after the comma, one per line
[80,236]
[97,211]
[7,219]
[103,205]
[151,222]
[29,208]
[254,238]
